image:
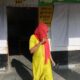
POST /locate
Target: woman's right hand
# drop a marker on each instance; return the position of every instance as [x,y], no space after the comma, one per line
[43,40]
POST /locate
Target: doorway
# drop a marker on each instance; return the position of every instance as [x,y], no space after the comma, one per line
[21,24]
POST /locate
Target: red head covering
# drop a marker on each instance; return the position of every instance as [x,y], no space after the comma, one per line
[41,32]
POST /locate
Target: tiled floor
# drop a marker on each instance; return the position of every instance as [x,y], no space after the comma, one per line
[20,69]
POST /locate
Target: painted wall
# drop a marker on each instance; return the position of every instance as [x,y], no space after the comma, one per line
[3,39]
[3,23]
[3,30]
[23,3]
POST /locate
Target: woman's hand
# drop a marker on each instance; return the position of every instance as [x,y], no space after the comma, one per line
[43,40]
[32,50]
[53,63]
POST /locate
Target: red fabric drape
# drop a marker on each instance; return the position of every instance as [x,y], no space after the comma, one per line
[41,32]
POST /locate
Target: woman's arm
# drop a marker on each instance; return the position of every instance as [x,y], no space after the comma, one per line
[53,62]
[32,50]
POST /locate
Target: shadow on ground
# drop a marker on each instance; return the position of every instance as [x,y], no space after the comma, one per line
[68,74]
[26,51]
[21,69]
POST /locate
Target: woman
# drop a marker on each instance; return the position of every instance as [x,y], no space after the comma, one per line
[39,48]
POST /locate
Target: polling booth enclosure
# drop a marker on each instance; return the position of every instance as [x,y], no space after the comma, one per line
[63,19]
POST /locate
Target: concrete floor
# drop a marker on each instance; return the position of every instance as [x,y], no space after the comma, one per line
[20,69]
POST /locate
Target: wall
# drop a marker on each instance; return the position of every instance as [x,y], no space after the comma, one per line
[21,3]
[3,38]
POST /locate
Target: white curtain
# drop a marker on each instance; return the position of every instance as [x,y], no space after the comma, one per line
[65,27]
[74,25]
[59,27]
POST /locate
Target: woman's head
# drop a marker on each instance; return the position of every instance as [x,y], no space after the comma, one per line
[41,31]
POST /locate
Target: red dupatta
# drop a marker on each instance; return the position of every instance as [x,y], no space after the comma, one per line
[41,32]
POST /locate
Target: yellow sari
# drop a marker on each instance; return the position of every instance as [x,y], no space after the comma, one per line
[41,71]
